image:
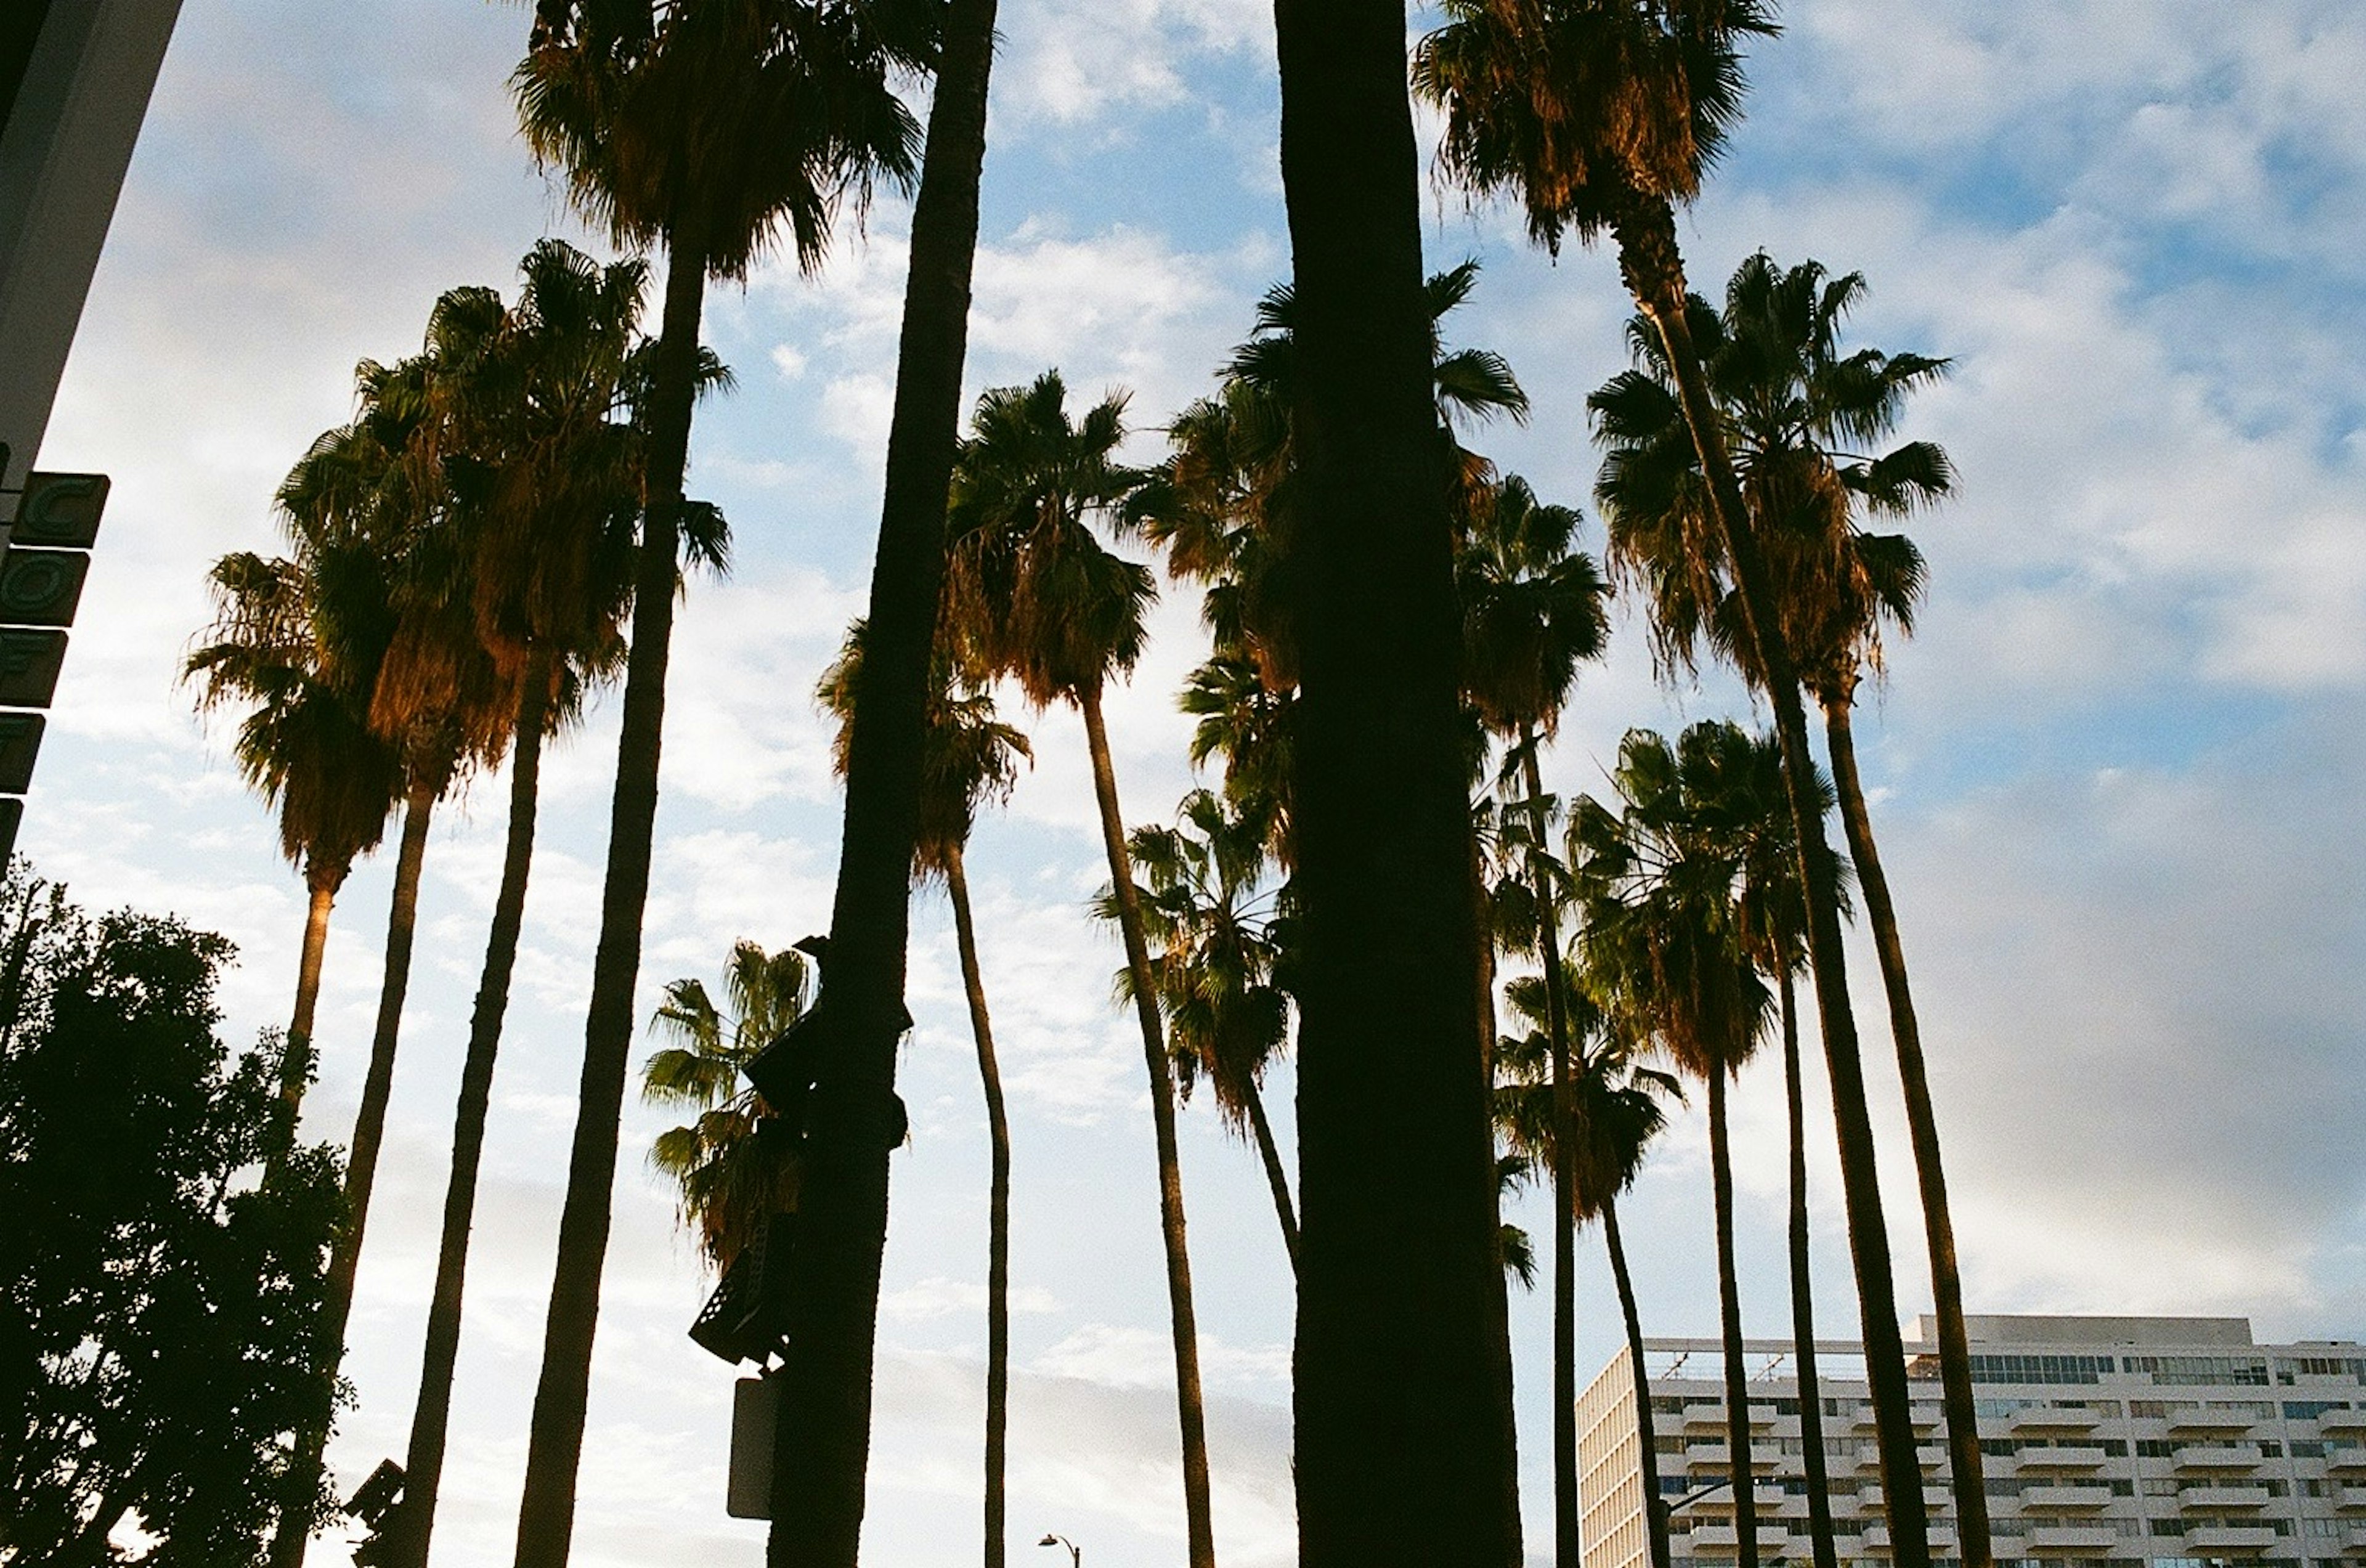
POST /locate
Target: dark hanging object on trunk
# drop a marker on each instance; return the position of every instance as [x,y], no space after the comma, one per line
[375,1503]
[747,1319]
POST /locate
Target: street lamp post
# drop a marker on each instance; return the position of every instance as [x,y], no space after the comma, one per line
[1076,1552]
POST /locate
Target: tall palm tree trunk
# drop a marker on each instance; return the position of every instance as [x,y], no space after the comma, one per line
[822,1451]
[1803,1291]
[998,1213]
[431,1416]
[321,880]
[1655,1514]
[1969,1484]
[1728,1313]
[1405,1452]
[1277,1178]
[1564,1111]
[1653,267]
[555,1440]
[293,1530]
[1190,1410]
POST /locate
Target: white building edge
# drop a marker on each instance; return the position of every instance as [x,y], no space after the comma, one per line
[2107,1442]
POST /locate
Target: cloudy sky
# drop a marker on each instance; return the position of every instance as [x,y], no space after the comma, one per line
[2115,772]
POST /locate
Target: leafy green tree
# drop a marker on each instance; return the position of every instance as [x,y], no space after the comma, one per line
[546,462]
[1797,409]
[1532,611]
[1601,116]
[1220,927]
[1032,595]
[969,758]
[160,1324]
[1404,1449]
[709,127]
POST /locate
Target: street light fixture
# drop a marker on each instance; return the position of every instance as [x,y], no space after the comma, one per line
[1076,1552]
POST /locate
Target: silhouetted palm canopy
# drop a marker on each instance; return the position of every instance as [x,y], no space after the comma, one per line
[306,744]
[969,758]
[730,1179]
[1031,593]
[1218,505]
[1620,1103]
[1532,608]
[1218,927]
[1580,109]
[1664,940]
[1798,410]
[729,117]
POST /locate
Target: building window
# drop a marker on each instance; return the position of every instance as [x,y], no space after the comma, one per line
[2240,1370]
[2040,1369]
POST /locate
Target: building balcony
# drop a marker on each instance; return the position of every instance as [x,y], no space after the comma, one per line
[1721,1539]
[1921,1417]
[1702,1416]
[2223,1497]
[2051,1418]
[2343,1421]
[2346,1462]
[2203,1538]
[2350,1499]
[1721,1503]
[1714,1455]
[2073,1538]
[1877,1537]
[2040,1461]
[2067,1497]
[2216,1457]
[2196,1423]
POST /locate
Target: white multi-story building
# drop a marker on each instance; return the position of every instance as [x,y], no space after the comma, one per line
[2106,1442]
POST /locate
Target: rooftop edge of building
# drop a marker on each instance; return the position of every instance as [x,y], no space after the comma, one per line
[2065,1330]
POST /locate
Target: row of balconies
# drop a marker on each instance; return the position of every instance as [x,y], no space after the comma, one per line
[1716,1537]
[1709,1416]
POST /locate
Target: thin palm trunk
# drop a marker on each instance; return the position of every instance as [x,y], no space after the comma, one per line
[431,1416]
[293,1530]
[1190,1410]
[1728,1313]
[1653,268]
[998,1211]
[822,1449]
[1803,1291]
[1406,1452]
[1277,1176]
[321,882]
[1564,1110]
[1655,1513]
[555,1441]
[1970,1486]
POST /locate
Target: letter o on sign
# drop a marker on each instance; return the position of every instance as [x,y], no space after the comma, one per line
[41,588]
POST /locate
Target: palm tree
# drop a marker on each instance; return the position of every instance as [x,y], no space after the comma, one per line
[547,463]
[707,126]
[1618,1112]
[367,503]
[1405,1443]
[1747,794]
[970,758]
[1664,931]
[1033,596]
[306,744]
[1221,933]
[1532,609]
[1601,114]
[1794,409]
[729,1181]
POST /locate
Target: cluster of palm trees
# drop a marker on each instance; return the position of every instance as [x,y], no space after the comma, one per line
[1395,631]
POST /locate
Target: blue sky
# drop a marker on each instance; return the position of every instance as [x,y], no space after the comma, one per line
[2114,771]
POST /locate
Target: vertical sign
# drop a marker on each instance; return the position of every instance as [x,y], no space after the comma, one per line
[41,573]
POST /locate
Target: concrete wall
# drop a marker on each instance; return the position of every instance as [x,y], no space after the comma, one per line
[66,143]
